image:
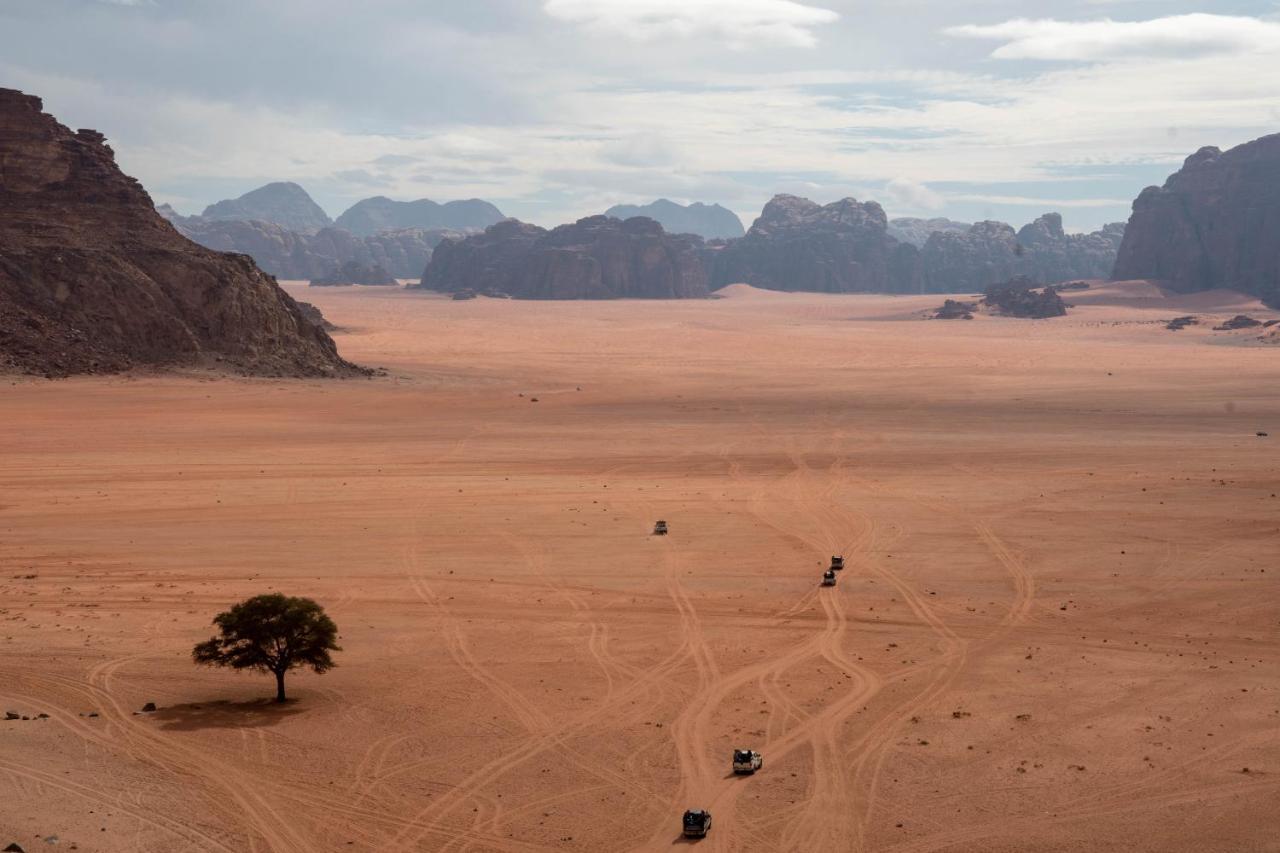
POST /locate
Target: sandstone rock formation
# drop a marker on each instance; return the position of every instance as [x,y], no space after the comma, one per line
[92,279]
[595,258]
[843,247]
[1215,223]
[373,215]
[991,252]
[355,273]
[290,255]
[282,203]
[909,229]
[709,221]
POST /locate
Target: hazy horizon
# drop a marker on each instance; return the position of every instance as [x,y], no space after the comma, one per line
[559,109]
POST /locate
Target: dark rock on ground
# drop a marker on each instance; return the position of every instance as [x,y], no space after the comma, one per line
[13,848]
[956,310]
[797,245]
[1019,297]
[282,203]
[1215,223]
[355,273]
[375,215]
[92,279]
[1178,323]
[594,258]
[12,715]
[462,295]
[149,707]
[1240,321]
[709,221]
[1071,285]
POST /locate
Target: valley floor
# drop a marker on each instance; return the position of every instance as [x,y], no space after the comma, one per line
[1057,629]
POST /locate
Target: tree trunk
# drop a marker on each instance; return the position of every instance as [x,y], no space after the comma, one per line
[280,686]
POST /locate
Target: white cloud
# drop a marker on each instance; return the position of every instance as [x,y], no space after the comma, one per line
[739,23]
[903,194]
[1177,36]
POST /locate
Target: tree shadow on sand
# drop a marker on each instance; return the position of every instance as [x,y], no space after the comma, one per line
[223,714]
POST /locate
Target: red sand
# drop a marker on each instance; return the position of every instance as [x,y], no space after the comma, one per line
[1057,630]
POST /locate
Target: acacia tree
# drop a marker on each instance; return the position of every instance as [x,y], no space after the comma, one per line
[271,633]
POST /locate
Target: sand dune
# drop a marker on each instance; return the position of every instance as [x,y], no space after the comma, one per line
[1056,630]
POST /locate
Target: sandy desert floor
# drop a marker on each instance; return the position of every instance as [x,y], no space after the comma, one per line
[1059,627]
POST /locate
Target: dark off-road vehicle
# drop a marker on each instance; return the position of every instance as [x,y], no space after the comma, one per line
[660,528]
[837,563]
[697,823]
[829,577]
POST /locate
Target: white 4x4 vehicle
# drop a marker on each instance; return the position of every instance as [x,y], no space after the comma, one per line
[747,761]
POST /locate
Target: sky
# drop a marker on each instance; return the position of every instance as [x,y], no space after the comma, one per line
[558,109]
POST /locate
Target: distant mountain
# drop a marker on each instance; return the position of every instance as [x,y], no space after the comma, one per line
[1214,223]
[908,229]
[709,221]
[990,252]
[292,255]
[843,247]
[368,217]
[282,203]
[599,257]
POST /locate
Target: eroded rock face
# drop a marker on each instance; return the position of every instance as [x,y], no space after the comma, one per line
[282,203]
[709,221]
[290,255]
[92,279]
[1215,223]
[991,252]
[374,215]
[843,247]
[595,258]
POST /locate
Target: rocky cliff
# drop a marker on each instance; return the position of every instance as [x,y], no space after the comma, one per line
[1214,223]
[282,203]
[595,258]
[843,247]
[709,221]
[92,279]
[992,252]
[374,215]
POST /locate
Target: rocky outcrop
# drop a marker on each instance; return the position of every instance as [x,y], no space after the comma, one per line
[991,252]
[843,247]
[282,203]
[1018,297]
[595,258]
[709,221]
[290,255]
[908,229]
[954,310]
[355,273]
[374,215]
[92,279]
[1215,223]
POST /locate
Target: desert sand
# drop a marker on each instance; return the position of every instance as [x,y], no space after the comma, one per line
[1057,629]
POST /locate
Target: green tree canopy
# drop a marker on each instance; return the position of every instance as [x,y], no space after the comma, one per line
[271,633]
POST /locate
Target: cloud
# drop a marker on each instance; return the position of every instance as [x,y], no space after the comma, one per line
[1177,36]
[909,195]
[738,23]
